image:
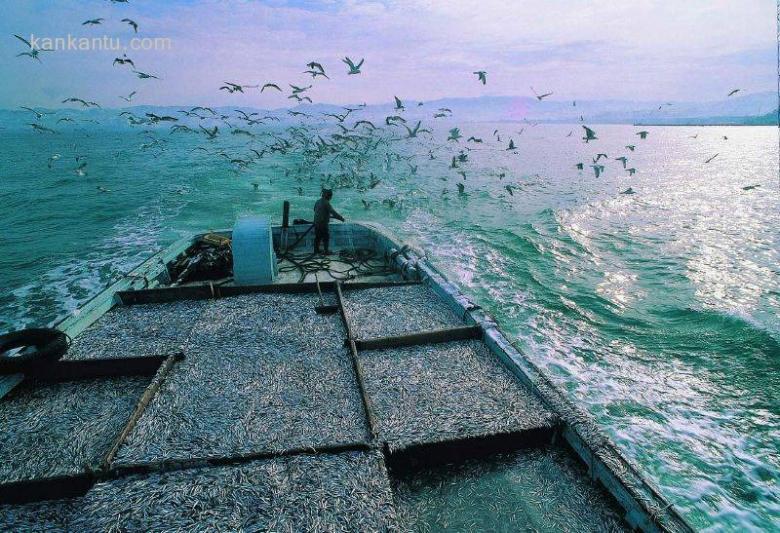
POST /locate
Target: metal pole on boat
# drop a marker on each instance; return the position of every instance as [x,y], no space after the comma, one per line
[285,223]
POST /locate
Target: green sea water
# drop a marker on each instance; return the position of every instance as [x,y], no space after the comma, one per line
[659,310]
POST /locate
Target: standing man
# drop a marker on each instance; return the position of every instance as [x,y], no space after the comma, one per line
[323,212]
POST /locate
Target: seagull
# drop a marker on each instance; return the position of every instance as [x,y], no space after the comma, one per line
[92,22]
[711,158]
[132,23]
[366,122]
[474,139]
[353,68]
[454,135]
[628,191]
[41,129]
[164,118]
[622,159]
[630,147]
[129,97]
[38,114]
[590,135]
[315,69]
[579,166]
[33,52]
[750,187]
[315,73]
[270,86]
[642,134]
[631,171]
[124,60]
[212,133]
[509,190]
[398,104]
[540,96]
[80,101]
[733,92]
[414,131]
[511,145]
[299,99]
[144,75]
[481,76]
[52,159]
[295,88]
[599,156]
[597,169]
[233,87]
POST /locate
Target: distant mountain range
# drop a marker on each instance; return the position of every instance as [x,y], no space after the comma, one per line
[750,109]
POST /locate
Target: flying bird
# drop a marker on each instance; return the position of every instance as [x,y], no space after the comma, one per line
[630,147]
[622,159]
[481,76]
[132,23]
[211,133]
[733,92]
[711,158]
[315,69]
[398,104]
[38,114]
[33,52]
[353,68]
[124,60]
[270,86]
[590,135]
[92,22]
[412,132]
[454,135]
[129,97]
[144,75]
[642,134]
[540,96]
[41,129]
[84,103]
[511,145]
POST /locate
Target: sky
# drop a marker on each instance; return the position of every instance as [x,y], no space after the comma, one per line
[639,50]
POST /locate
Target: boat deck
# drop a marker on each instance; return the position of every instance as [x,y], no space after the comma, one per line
[260,413]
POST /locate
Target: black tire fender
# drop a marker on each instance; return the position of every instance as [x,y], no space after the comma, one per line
[50,345]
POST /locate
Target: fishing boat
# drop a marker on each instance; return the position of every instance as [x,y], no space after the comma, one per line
[360,391]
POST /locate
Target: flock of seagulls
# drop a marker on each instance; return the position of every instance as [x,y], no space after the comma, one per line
[338,149]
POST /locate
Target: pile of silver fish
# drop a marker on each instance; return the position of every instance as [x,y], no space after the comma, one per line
[340,492]
[262,372]
[63,428]
[448,391]
[383,312]
[526,490]
[138,330]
